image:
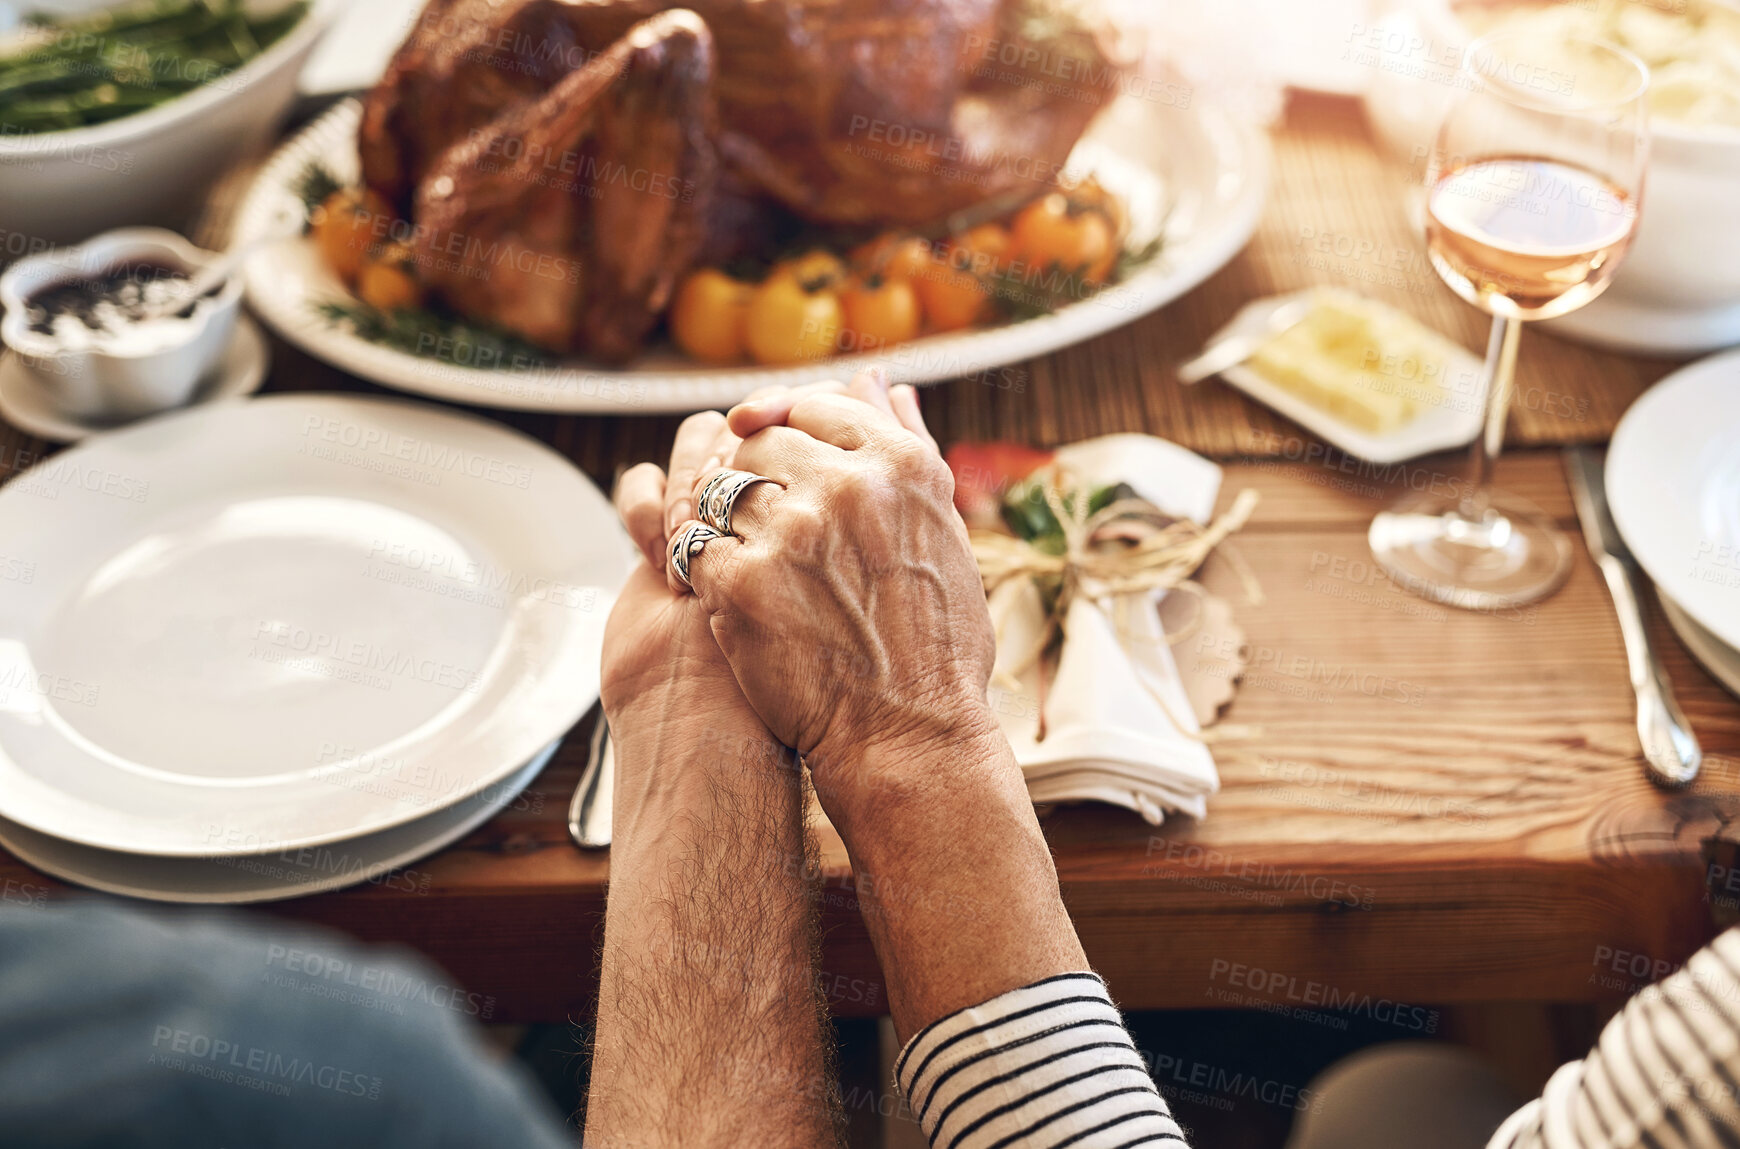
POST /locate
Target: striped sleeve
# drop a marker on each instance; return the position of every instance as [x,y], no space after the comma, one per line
[1041,1067]
[1666,1071]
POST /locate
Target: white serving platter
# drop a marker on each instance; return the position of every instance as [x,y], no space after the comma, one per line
[1195,175]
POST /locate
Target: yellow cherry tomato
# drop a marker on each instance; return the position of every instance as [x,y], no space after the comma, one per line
[388,278]
[879,313]
[952,298]
[347,225]
[710,315]
[1051,231]
[790,324]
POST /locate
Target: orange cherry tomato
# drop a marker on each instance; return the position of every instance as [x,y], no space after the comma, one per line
[790,323]
[866,255]
[911,258]
[1052,232]
[952,298]
[1090,195]
[710,316]
[893,256]
[388,279]
[989,247]
[347,225]
[815,270]
[879,313]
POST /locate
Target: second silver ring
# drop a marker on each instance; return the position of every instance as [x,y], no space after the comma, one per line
[685,545]
[719,497]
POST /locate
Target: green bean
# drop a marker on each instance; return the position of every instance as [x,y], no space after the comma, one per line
[118,61]
[236,28]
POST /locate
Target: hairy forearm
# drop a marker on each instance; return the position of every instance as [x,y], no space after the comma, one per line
[955,881]
[710,1027]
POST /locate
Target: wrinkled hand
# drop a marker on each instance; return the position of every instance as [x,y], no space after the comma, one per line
[849,604]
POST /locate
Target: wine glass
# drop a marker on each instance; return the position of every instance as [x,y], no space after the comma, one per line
[1533,195]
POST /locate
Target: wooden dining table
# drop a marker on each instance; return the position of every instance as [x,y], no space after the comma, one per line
[1417,804]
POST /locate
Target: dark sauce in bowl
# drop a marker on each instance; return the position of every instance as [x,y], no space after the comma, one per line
[109,303]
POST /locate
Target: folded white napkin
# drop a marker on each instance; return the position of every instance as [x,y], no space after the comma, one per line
[1108,738]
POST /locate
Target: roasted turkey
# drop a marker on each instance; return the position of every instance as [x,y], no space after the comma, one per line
[619,142]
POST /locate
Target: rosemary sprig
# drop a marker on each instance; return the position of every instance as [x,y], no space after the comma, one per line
[430,334]
[315,185]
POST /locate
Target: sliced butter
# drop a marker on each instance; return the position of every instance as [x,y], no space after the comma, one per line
[1368,365]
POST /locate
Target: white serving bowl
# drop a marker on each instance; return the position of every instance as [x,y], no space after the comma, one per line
[153,167]
[91,382]
[1678,290]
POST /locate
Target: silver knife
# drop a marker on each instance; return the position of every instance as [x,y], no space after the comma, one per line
[1669,746]
[594,799]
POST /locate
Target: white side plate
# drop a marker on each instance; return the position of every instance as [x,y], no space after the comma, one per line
[1451,423]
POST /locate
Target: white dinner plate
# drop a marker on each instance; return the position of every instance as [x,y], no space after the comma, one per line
[291,620]
[1721,661]
[1673,479]
[1438,427]
[1195,175]
[379,858]
[25,401]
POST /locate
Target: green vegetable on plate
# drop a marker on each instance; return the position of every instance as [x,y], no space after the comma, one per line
[61,74]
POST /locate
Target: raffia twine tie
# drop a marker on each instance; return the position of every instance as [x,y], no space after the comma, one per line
[1153,558]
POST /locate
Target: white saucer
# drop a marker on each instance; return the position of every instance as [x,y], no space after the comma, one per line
[1621,325]
[1722,661]
[379,858]
[25,403]
[1451,423]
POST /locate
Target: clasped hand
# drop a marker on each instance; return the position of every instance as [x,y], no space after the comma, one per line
[844,614]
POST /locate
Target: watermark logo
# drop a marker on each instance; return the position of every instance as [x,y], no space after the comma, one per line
[1205,868]
[254,1067]
[383,986]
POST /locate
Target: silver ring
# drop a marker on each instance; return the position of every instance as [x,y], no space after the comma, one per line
[686,544]
[719,497]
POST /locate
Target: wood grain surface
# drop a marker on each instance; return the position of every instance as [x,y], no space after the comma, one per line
[1432,806]
[1436,807]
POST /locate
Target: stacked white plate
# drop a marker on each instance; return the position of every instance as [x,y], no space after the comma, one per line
[1673,479]
[274,646]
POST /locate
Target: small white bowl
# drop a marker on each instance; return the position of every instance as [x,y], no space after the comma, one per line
[97,382]
[153,167]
